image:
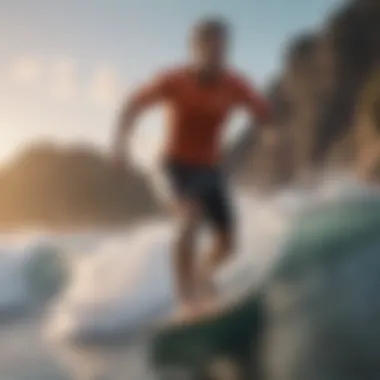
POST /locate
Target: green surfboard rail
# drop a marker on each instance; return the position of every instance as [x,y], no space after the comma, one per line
[329,231]
[228,334]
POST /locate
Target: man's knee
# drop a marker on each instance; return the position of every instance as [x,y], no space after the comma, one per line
[188,220]
[225,241]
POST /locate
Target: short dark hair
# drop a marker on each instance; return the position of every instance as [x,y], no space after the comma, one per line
[210,27]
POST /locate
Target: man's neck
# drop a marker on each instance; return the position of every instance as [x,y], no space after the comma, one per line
[208,74]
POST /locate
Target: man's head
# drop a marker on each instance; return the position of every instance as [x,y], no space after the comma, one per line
[209,42]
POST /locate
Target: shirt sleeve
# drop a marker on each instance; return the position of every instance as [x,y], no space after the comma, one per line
[156,90]
[249,98]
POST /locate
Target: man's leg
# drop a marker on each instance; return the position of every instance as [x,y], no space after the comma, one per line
[177,179]
[221,248]
[217,254]
[218,208]
[183,251]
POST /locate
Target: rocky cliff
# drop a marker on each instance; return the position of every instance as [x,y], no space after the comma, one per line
[318,91]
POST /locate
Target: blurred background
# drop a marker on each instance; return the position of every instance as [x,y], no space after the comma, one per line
[86,253]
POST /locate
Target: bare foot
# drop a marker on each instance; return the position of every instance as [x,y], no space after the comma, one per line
[187,309]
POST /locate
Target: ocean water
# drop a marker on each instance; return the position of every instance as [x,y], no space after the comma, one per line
[60,290]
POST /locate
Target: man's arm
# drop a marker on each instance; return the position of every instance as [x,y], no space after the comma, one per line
[250,99]
[143,98]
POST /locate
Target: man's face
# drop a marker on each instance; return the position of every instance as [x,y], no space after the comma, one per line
[211,51]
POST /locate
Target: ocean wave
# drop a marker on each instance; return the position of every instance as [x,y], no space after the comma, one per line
[114,287]
[114,283]
[30,274]
[125,285]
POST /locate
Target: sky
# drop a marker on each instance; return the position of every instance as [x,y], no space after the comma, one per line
[65,66]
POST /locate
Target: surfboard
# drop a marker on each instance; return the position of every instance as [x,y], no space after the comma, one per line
[220,336]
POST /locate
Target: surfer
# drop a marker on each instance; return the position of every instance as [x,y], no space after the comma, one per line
[199,97]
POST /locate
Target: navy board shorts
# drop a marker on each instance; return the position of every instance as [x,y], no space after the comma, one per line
[206,186]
